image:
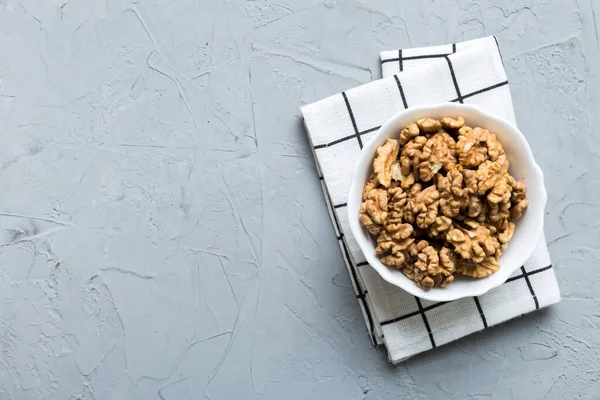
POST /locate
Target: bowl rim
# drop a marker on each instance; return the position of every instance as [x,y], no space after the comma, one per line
[358,232]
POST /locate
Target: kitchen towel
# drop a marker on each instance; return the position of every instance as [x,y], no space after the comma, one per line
[471,73]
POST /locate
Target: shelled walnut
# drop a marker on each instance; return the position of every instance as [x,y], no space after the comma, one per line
[439,151]
[441,201]
[430,266]
[473,241]
[386,158]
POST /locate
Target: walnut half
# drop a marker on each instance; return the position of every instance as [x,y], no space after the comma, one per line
[439,151]
[431,268]
[474,243]
[386,158]
[374,211]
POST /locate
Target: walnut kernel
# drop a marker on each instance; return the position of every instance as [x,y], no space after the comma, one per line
[453,123]
[429,125]
[386,157]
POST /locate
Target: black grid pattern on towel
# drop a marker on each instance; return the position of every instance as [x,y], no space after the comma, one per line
[358,134]
[359,291]
[423,310]
[362,293]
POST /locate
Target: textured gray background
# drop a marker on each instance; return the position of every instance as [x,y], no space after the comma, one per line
[163,234]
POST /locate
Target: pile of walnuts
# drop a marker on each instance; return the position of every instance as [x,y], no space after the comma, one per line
[441,202]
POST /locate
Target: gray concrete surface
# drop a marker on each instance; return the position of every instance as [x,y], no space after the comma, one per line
[163,234]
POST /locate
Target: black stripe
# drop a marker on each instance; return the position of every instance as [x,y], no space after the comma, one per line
[412,314]
[537,271]
[337,224]
[362,299]
[422,312]
[426,56]
[340,236]
[401,91]
[400,60]
[391,321]
[514,278]
[354,278]
[499,52]
[321,178]
[371,329]
[414,57]
[453,48]
[485,325]
[335,220]
[362,264]
[497,85]
[486,89]
[321,146]
[459,96]
[356,132]
[362,295]
[537,304]
[340,205]
[369,130]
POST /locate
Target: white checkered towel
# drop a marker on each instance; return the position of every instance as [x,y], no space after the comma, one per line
[471,73]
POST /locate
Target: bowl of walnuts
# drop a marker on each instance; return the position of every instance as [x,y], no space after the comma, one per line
[446,201]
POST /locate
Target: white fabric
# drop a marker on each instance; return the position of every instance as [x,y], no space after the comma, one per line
[469,72]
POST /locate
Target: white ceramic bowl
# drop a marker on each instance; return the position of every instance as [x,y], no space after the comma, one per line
[522,166]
